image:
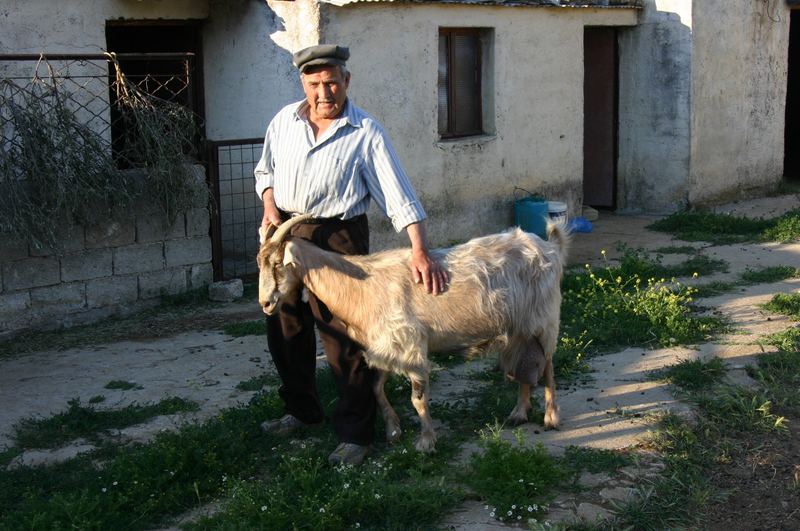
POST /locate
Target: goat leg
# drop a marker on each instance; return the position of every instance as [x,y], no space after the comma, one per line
[419,398]
[390,419]
[550,407]
[519,415]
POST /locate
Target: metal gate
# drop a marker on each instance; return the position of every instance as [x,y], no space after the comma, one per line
[238,213]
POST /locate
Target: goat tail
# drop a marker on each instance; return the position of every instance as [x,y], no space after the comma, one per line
[558,232]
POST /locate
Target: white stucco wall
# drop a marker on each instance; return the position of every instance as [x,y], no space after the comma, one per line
[654,108]
[738,98]
[248,70]
[466,185]
[78,26]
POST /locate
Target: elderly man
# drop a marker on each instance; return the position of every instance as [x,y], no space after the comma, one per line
[327,157]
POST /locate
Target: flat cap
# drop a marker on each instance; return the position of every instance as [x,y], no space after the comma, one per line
[321,54]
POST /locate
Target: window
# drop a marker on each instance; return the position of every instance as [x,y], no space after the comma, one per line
[464,55]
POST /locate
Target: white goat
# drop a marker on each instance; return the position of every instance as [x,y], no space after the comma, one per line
[504,295]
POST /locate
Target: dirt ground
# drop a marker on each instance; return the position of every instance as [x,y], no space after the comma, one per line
[190,357]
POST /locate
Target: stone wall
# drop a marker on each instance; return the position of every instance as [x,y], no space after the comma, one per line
[101,271]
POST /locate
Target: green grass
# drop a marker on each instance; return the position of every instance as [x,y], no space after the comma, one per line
[787,340]
[257,327]
[256,383]
[122,385]
[750,276]
[694,375]
[770,274]
[581,458]
[676,249]
[86,422]
[516,481]
[637,262]
[779,374]
[726,229]
[786,304]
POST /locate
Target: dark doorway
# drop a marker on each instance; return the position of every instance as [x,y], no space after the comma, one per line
[164,60]
[600,117]
[791,161]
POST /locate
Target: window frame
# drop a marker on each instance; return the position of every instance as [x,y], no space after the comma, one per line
[478,34]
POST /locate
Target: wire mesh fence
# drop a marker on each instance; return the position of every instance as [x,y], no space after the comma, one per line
[235,231]
[95,89]
[72,125]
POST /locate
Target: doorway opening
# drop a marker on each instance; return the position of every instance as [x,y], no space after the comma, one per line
[164,59]
[600,116]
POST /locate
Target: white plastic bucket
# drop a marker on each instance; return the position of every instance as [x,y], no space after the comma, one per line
[557,211]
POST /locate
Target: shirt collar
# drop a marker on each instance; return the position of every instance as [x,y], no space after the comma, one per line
[348,114]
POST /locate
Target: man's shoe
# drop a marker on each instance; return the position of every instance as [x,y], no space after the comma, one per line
[348,454]
[283,426]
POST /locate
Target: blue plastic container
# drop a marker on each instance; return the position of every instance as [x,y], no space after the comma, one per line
[531,214]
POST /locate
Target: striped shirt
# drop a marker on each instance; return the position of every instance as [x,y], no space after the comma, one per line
[336,175]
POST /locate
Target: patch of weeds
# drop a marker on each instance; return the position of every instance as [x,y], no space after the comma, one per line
[79,421]
[97,399]
[638,262]
[489,403]
[447,360]
[676,249]
[122,385]
[581,458]
[726,228]
[569,360]
[779,374]
[694,375]
[749,277]
[785,229]
[304,492]
[196,297]
[140,485]
[256,327]
[517,482]
[625,310]
[787,340]
[740,409]
[712,289]
[256,383]
[770,274]
[710,227]
[786,304]
[675,499]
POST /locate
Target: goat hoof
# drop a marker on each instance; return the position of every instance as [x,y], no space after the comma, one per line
[393,435]
[551,421]
[426,445]
[516,421]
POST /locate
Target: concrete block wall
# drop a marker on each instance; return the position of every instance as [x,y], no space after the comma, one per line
[100,271]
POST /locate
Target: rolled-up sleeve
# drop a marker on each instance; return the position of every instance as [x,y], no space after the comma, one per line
[264,170]
[389,185]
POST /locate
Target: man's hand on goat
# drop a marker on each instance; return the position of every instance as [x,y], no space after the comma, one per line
[428,271]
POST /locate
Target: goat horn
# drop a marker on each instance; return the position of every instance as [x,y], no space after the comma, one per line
[286,226]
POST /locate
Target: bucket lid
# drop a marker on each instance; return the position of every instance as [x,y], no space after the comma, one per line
[556,206]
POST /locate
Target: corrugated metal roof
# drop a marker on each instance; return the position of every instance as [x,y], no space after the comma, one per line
[511,3]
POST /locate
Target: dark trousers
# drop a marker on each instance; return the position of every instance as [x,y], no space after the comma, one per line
[290,336]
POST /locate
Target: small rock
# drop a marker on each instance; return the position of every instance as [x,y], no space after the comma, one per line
[226,291]
[617,493]
[38,458]
[589,480]
[590,512]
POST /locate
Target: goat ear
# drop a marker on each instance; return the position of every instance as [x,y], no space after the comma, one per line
[288,254]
